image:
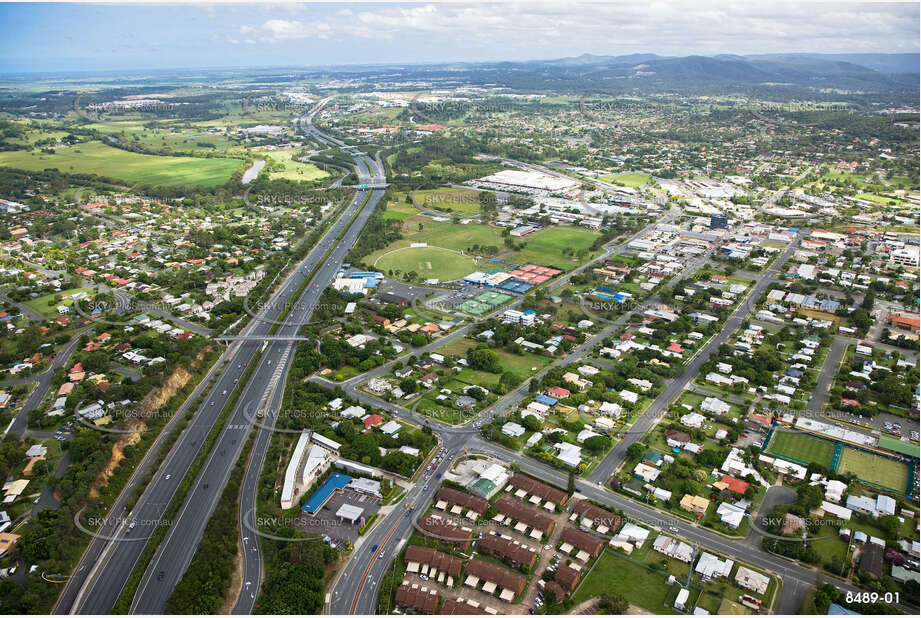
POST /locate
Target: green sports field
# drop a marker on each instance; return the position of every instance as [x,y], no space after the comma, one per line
[801,448]
[628,179]
[129,167]
[464,201]
[874,469]
[546,246]
[428,262]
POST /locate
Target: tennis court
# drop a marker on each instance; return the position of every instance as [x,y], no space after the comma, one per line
[484,302]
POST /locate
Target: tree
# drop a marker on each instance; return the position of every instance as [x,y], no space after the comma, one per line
[890,525]
[365,445]
[408,385]
[597,444]
[531,423]
[613,604]
[811,496]
[635,451]
[483,359]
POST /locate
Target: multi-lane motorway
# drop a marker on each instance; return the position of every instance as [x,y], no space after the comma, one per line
[113,554]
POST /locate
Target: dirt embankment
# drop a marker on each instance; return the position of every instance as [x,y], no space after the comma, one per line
[236,582]
[153,401]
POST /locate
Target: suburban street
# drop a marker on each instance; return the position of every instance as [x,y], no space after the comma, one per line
[355,590]
[43,383]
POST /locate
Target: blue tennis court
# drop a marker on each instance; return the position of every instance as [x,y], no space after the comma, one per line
[513,285]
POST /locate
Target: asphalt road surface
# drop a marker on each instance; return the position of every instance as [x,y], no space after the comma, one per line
[99,580]
[179,546]
[252,558]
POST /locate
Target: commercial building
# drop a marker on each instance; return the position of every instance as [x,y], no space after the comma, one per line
[308,463]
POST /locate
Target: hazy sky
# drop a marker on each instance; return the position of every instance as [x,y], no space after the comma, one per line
[54,37]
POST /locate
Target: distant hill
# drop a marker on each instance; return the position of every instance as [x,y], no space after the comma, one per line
[884,63]
[594,60]
[844,71]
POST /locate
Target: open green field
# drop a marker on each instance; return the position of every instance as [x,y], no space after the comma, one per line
[129,167]
[167,137]
[445,234]
[292,169]
[613,574]
[874,469]
[428,262]
[519,364]
[465,201]
[880,199]
[546,246]
[398,209]
[801,447]
[627,179]
[47,305]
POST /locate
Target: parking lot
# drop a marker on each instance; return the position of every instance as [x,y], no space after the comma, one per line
[404,290]
[461,292]
[883,422]
[326,523]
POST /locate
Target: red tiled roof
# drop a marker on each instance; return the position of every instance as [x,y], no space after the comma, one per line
[736,485]
[462,498]
[500,576]
[525,514]
[506,548]
[434,558]
[424,602]
[535,487]
[583,540]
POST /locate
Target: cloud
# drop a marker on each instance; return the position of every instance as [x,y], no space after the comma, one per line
[276,30]
[545,29]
